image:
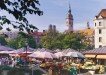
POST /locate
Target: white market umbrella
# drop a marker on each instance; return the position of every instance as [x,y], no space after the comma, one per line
[16,55]
[59,54]
[68,50]
[47,55]
[29,52]
[44,54]
[44,49]
[4,52]
[36,54]
[22,50]
[5,48]
[75,54]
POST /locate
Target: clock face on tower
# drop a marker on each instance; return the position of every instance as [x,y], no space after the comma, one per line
[69,22]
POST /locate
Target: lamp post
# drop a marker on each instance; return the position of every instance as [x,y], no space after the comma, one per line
[26,47]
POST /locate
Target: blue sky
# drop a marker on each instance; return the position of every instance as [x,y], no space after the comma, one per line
[55,12]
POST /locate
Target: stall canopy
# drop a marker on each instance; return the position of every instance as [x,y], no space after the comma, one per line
[90,56]
[99,53]
[101,50]
[101,57]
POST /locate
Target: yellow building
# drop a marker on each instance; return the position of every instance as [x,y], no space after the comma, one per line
[89,35]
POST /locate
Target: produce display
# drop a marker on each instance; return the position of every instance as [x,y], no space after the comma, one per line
[91,66]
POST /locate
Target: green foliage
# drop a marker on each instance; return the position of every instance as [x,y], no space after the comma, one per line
[2,41]
[63,41]
[19,9]
[31,42]
[74,41]
[50,40]
[21,40]
[17,42]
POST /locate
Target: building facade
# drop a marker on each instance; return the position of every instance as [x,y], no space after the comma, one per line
[100,29]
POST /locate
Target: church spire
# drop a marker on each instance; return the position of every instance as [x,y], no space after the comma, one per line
[69,8]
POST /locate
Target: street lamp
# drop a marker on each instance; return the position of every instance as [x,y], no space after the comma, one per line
[26,47]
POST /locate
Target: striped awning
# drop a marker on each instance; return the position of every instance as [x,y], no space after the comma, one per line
[99,51]
[101,57]
[90,56]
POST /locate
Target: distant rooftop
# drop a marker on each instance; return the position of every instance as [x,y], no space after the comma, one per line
[102,13]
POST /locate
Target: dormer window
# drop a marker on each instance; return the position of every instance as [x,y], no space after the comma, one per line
[99,23]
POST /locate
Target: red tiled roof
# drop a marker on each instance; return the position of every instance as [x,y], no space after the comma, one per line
[37,33]
[102,13]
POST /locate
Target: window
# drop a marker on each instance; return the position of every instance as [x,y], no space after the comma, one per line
[100,39]
[95,24]
[100,31]
[100,46]
[99,23]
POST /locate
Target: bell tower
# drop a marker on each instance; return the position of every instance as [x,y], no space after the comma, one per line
[69,20]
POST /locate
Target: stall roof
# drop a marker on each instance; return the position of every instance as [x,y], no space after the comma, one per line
[101,50]
[90,56]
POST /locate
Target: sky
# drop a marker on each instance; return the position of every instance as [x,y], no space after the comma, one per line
[55,12]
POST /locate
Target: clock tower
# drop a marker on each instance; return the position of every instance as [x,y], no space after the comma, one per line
[69,20]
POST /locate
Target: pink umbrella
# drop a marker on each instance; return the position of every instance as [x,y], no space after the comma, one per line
[59,54]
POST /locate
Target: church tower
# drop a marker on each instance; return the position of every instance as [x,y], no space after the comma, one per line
[69,20]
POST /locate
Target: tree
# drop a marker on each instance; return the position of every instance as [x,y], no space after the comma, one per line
[63,41]
[2,40]
[19,9]
[50,39]
[21,40]
[58,41]
[31,42]
[74,41]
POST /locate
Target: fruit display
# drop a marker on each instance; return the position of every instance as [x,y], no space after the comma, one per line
[102,69]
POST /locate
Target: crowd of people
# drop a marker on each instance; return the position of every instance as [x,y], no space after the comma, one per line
[61,66]
[12,61]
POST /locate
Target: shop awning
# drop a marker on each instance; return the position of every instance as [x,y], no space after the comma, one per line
[101,57]
[90,56]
